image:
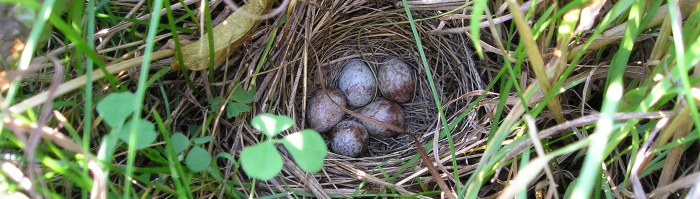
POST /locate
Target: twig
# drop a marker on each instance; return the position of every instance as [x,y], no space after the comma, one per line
[432,169]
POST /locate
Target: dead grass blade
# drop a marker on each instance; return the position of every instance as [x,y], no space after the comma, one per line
[614,34]
[535,58]
[80,81]
[682,183]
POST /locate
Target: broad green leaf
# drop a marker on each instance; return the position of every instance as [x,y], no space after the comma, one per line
[233,109]
[198,159]
[145,134]
[308,149]
[245,97]
[116,107]
[179,142]
[215,103]
[202,140]
[271,124]
[261,161]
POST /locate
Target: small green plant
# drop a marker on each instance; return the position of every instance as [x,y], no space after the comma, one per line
[238,102]
[112,110]
[180,142]
[197,159]
[263,161]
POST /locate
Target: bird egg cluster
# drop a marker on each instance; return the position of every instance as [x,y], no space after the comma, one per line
[357,89]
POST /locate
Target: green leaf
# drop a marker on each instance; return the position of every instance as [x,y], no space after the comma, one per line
[116,107]
[145,134]
[202,140]
[198,159]
[193,129]
[179,142]
[308,149]
[245,97]
[233,109]
[271,124]
[261,161]
[215,103]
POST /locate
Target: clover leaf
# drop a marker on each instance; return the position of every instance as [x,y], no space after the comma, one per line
[308,149]
[261,161]
[271,124]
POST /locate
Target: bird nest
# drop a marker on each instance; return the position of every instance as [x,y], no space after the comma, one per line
[311,48]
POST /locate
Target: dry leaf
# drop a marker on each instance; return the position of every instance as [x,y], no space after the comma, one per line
[227,35]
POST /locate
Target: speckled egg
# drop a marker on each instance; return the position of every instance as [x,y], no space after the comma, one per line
[357,83]
[321,113]
[396,80]
[384,111]
[349,138]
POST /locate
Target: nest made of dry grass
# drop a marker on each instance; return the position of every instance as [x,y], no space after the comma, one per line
[313,44]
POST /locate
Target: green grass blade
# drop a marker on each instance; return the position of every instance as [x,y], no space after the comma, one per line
[524,161]
[477,11]
[682,66]
[178,46]
[605,125]
[535,59]
[210,39]
[174,165]
[433,90]
[140,92]
[266,50]
[87,92]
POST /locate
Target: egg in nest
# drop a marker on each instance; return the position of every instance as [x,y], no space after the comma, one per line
[349,138]
[396,80]
[321,113]
[384,111]
[357,83]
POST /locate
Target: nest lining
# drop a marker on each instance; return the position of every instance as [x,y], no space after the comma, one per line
[376,37]
[318,39]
